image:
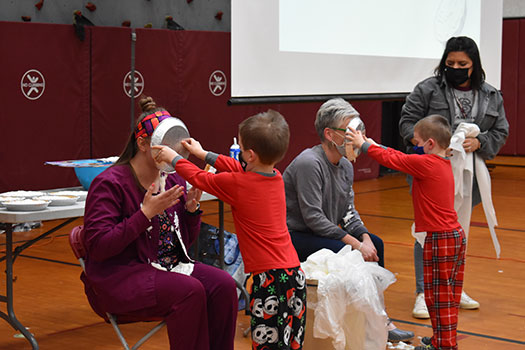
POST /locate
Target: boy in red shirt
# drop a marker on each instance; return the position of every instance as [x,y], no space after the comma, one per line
[433,200]
[255,191]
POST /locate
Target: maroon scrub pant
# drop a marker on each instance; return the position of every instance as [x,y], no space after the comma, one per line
[200,310]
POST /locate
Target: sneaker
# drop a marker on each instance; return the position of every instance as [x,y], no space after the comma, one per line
[420,307]
[425,347]
[396,335]
[467,302]
[426,341]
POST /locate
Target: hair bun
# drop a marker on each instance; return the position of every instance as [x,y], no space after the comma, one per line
[147,104]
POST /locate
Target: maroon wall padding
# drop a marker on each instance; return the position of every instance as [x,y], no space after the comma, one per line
[509,81]
[54,126]
[208,117]
[84,112]
[520,119]
[159,59]
[111,107]
[214,123]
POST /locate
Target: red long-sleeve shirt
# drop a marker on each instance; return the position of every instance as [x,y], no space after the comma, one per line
[258,208]
[432,188]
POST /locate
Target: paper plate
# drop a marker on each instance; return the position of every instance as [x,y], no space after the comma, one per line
[170,132]
[357,124]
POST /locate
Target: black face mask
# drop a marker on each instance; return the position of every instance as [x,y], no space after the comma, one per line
[242,161]
[456,76]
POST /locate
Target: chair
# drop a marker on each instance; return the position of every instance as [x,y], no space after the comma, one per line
[76,240]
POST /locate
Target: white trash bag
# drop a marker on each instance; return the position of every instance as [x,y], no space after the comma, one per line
[350,306]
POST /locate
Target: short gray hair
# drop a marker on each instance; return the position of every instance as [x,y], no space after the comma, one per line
[332,113]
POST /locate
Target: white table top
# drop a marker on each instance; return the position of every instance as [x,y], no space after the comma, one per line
[57,212]
[50,213]
[207,197]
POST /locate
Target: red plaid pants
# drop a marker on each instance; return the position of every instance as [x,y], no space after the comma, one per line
[443,267]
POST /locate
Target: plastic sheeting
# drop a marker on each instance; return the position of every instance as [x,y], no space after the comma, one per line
[350,307]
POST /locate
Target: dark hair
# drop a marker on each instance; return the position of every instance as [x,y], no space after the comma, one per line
[436,127]
[468,46]
[267,134]
[148,106]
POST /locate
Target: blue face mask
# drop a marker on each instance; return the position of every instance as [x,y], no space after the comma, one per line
[242,161]
[419,149]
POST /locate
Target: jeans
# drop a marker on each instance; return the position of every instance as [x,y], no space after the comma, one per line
[307,243]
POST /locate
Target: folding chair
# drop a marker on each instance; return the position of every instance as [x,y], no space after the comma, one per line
[76,240]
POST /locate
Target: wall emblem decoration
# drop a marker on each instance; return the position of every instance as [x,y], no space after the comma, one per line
[217,83]
[139,84]
[32,84]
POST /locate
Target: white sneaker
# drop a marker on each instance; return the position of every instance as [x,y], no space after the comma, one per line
[420,307]
[467,302]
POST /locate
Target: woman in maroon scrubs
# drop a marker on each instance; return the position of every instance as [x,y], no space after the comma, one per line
[137,239]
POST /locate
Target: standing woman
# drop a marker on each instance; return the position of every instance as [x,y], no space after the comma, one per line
[137,239]
[458,92]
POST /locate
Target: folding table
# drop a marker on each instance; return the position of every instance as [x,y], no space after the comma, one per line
[11,218]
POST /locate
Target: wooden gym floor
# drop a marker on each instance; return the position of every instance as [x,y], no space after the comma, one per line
[49,298]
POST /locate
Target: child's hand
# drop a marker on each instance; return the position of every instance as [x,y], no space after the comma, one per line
[370,140]
[194,147]
[355,137]
[163,154]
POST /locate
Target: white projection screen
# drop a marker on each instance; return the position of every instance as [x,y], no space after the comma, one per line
[283,48]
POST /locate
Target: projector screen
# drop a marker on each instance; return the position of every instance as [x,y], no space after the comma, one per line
[306,48]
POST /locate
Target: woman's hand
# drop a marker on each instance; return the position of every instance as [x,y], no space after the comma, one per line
[192,199]
[194,147]
[471,144]
[368,249]
[154,205]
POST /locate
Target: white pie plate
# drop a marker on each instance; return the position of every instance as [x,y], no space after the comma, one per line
[26,205]
[56,200]
[80,194]
[4,200]
[22,194]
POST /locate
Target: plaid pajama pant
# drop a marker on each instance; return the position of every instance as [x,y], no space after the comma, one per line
[443,266]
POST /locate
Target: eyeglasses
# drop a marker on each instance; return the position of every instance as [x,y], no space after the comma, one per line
[338,129]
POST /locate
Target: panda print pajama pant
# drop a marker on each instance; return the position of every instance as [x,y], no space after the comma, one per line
[278,309]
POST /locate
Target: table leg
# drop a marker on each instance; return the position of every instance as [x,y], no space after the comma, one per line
[221,234]
[221,257]
[11,318]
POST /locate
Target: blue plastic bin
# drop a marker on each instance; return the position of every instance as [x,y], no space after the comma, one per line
[86,174]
